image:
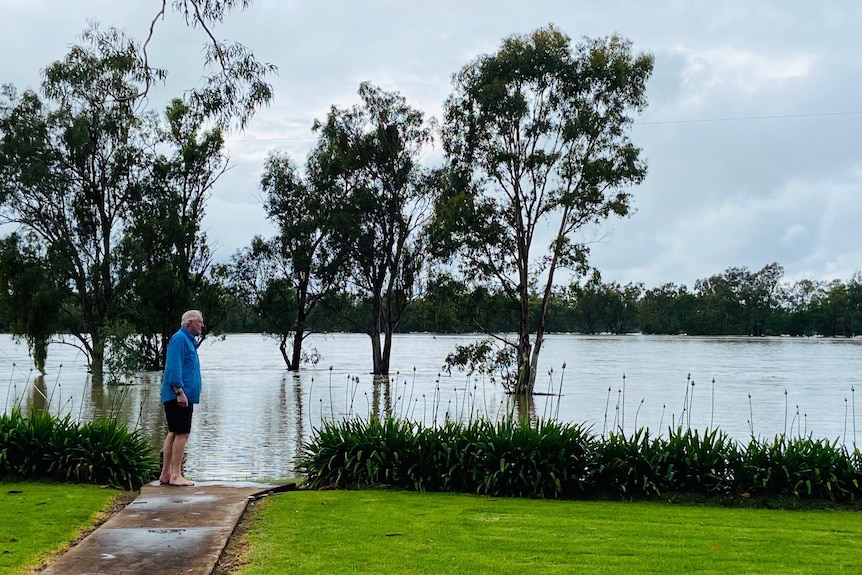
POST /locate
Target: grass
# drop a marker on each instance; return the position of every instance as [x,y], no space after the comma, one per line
[37,519]
[396,532]
[389,532]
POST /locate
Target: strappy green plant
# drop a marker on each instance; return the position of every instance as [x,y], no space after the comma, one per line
[43,446]
[695,463]
[804,467]
[549,459]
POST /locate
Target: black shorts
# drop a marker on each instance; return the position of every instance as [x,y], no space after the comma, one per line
[179,418]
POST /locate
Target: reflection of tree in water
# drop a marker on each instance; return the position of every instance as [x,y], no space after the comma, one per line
[38,395]
[297,392]
[525,408]
[146,411]
[381,383]
[99,395]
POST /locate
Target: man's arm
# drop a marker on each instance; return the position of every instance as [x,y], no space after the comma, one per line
[174,369]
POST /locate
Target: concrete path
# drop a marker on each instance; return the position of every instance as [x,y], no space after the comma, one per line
[165,531]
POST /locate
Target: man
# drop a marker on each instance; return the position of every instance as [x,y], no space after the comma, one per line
[181,389]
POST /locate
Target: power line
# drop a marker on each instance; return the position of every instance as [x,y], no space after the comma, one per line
[748,118]
[655,123]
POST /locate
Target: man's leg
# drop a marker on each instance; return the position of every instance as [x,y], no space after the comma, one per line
[174,448]
[178,450]
[167,458]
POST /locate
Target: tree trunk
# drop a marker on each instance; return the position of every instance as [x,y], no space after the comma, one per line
[526,371]
[282,347]
[377,354]
[297,349]
[387,351]
[97,361]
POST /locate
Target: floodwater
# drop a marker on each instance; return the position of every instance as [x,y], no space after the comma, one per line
[254,415]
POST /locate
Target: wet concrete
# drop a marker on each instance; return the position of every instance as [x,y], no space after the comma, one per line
[165,531]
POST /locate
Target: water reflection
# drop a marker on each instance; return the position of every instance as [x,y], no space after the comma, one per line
[254,416]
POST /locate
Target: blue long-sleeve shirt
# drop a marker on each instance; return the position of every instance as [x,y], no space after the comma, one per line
[182,368]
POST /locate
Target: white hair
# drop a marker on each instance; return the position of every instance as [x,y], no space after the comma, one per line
[189,316]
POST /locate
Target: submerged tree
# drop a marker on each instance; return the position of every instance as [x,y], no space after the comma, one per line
[79,164]
[666,309]
[30,300]
[536,137]
[367,161]
[286,277]
[71,166]
[164,256]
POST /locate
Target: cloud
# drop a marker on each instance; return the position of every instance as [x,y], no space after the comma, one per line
[728,71]
[752,134]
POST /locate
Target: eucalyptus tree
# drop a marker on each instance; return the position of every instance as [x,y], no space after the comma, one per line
[666,309]
[606,307]
[840,308]
[73,161]
[71,167]
[854,301]
[798,303]
[164,256]
[760,295]
[235,83]
[286,277]
[737,301]
[30,299]
[368,158]
[536,137]
[720,303]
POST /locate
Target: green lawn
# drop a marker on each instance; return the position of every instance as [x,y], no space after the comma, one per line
[385,532]
[379,532]
[37,518]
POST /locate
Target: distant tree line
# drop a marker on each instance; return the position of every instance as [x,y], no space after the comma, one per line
[736,302]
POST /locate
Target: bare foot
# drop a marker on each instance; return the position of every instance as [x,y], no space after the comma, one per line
[164,479]
[181,482]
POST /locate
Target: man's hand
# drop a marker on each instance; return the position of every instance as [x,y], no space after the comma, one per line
[182,399]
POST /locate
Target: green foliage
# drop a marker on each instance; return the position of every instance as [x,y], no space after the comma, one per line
[801,467]
[283,279]
[359,452]
[536,136]
[109,454]
[127,353]
[685,462]
[692,463]
[555,460]
[367,163]
[28,441]
[666,309]
[71,163]
[630,466]
[447,456]
[235,85]
[484,357]
[164,255]
[112,198]
[41,446]
[605,307]
[30,299]
[505,459]
[550,460]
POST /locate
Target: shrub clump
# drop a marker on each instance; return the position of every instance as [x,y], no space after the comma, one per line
[564,461]
[104,452]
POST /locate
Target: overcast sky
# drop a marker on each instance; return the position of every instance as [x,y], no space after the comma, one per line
[753,133]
